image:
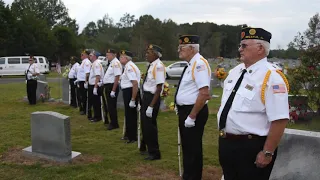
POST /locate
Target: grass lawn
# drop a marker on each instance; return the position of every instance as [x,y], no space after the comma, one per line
[110,158]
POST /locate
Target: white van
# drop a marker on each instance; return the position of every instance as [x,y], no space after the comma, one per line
[16,65]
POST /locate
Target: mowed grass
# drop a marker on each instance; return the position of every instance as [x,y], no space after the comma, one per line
[119,160]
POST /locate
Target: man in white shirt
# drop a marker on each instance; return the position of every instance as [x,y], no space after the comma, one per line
[72,78]
[191,100]
[94,90]
[130,81]
[111,81]
[254,111]
[82,80]
[32,73]
[152,88]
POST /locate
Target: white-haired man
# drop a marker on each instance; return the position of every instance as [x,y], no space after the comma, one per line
[130,81]
[191,102]
[152,88]
[254,111]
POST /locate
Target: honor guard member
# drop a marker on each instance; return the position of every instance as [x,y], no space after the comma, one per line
[111,81]
[152,88]
[94,90]
[82,80]
[254,111]
[130,81]
[32,73]
[72,79]
[191,102]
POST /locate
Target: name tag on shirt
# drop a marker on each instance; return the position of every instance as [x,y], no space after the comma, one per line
[230,81]
[249,87]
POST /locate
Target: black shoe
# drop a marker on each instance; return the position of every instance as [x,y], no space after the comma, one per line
[124,138]
[143,153]
[96,119]
[106,121]
[112,127]
[152,158]
[130,141]
[90,118]
[82,113]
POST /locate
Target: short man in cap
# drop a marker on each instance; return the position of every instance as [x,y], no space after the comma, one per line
[254,111]
[191,102]
[111,81]
[82,80]
[152,88]
[32,73]
[94,90]
[130,80]
[72,79]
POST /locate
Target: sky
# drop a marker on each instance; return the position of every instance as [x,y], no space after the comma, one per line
[283,18]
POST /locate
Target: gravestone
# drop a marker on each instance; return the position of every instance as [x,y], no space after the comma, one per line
[42,77]
[65,91]
[120,103]
[42,90]
[50,137]
[298,156]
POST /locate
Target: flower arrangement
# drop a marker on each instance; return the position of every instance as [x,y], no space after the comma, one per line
[166,90]
[42,97]
[221,74]
[66,72]
[171,106]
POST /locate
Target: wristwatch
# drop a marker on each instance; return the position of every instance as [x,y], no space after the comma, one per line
[267,153]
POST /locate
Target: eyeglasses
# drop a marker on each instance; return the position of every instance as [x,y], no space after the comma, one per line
[243,46]
[182,48]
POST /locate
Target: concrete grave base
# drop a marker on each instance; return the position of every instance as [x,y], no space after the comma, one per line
[28,152]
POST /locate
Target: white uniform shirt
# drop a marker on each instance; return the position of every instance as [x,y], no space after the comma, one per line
[83,69]
[131,72]
[73,71]
[33,68]
[248,115]
[156,75]
[114,69]
[196,76]
[96,70]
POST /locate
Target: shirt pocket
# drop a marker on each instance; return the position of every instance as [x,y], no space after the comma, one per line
[227,91]
[243,100]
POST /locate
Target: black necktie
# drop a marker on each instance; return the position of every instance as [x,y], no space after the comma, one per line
[175,96]
[227,106]
[145,76]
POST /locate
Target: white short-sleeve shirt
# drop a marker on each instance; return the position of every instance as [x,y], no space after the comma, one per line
[156,75]
[83,69]
[248,114]
[196,76]
[31,69]
[131,72]
[96,70]
[114,69]
[73,71]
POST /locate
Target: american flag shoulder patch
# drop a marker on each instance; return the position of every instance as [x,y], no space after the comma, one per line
[160,68]
[279,88]
[200,67]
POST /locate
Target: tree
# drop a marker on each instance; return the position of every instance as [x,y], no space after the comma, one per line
[307,76]
[51,11]
[7,30]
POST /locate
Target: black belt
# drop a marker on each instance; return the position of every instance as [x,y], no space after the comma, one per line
[225,135]
[147,92]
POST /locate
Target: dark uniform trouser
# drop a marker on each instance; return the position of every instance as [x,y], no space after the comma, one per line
[237,157]
[32,91]
[191,141]
[131,115]
[112,104]
[73,87]
[149,125]
[83,97]
[94,101]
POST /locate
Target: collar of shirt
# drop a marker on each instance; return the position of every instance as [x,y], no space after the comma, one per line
[155,62]
[127,65]
[254,67]
[195,57]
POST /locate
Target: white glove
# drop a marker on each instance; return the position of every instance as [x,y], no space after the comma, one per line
[95,91]
[149,111]
[99,84]
[139,107]
[75,82]
[85,85]
[113,94]
[176,109]
[132,103]
[189,122]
